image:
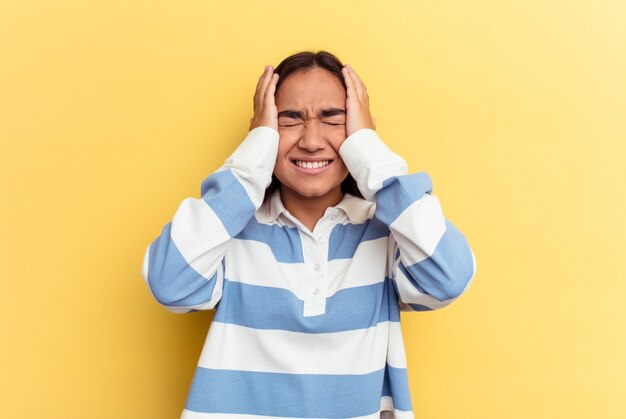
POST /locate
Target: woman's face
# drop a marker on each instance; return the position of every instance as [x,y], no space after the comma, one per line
[311,123]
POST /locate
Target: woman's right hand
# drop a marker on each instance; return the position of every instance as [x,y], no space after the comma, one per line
[265,111]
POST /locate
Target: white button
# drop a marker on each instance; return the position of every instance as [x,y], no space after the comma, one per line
[319,238]
[316,291]
[333,217]
[317,267]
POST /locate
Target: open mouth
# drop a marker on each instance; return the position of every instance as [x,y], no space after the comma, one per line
[311,164]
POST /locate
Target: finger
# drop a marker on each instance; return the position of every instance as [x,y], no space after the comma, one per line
[358,84]
[260,89]
[267,78]
[259,83]
[271,89]
[351,91]
[360,81]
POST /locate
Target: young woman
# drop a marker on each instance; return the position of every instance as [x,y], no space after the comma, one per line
[307,243]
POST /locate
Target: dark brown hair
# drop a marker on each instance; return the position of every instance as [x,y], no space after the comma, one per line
[304,61]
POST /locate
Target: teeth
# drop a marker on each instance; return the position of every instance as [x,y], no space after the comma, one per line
[312,165]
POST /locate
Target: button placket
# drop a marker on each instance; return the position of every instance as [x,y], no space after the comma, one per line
[321,266]
[315,287]
[317,279]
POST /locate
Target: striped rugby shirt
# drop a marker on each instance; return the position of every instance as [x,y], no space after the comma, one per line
[307,323]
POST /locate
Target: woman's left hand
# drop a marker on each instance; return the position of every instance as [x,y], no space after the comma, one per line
[357,103]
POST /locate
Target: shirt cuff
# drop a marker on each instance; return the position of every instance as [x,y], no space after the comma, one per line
[370,161]
[253,161]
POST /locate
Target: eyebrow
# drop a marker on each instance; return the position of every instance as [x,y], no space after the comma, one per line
[324,113]
[289,113]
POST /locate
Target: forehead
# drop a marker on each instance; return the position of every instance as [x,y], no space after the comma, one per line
[310,90]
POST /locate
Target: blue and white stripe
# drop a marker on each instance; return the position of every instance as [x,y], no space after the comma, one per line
[308,323]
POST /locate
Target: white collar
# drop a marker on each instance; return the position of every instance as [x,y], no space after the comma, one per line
[356,209]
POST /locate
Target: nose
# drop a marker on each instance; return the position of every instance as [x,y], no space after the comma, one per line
[312,138]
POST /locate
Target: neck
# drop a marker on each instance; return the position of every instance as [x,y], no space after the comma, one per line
[309,209]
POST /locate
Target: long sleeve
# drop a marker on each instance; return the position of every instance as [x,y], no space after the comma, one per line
[429,260]
[184,267]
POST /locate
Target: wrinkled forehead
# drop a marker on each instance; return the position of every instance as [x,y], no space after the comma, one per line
[310,91]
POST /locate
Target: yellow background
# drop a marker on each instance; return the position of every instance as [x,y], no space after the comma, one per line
[112,113]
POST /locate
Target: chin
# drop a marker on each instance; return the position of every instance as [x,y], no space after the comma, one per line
[313,193]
